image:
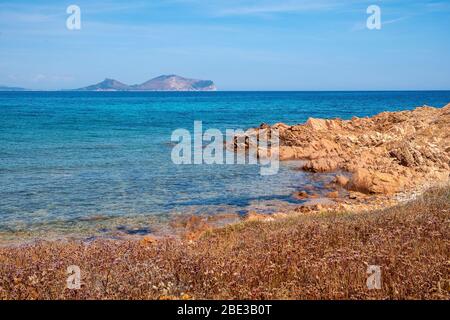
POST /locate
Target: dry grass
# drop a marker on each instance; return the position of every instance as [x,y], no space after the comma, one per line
[310,257]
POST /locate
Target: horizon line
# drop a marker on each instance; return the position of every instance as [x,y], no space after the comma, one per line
[237,90]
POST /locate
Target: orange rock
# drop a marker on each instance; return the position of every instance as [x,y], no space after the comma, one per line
[185,296]
[321,165]
[167,297]
[333,194]
[341,180]
[148,240]
[280,126]
[253,216]
[357,195]
[300,195]
[368,181]
[316,124]
[286,153]
[193,227]
[196,227]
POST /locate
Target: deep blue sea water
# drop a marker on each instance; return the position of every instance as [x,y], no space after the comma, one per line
[69,159]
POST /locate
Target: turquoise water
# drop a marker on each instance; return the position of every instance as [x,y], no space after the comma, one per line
[71,159]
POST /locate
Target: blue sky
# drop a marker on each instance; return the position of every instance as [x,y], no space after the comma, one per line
[241,45]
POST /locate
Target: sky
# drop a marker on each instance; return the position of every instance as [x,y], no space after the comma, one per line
[240,45]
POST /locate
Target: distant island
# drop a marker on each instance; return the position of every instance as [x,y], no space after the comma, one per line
[170,82]
[5,88]
[161,83]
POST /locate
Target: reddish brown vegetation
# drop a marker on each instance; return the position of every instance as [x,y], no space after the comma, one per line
[318,256]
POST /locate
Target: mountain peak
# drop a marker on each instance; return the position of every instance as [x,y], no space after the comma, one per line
[106,85]
[173,82]
[168,76]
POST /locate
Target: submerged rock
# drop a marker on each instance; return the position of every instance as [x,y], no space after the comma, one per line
[300,195]
[341,180]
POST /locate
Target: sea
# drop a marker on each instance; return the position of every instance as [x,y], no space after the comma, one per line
[98,164]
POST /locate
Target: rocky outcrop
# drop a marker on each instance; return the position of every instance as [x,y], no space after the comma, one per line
[383,154]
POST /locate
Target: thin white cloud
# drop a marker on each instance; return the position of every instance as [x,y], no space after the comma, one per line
[14,17]
[394,20]
[278,7]
[40,77]
[362,26]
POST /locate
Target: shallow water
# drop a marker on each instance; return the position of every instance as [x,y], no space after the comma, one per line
[94,162]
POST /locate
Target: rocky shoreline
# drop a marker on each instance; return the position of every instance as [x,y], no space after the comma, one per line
[379,161]
[382,167]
